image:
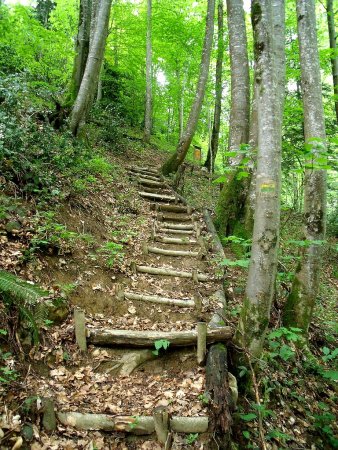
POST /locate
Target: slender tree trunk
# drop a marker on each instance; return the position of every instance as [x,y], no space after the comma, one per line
[184,143]
[268,20]
[148,105]
[180,102]
[232,197]
[212,151]
[82,47]
[300,304]
[89,81]
[333,47]
[99,84]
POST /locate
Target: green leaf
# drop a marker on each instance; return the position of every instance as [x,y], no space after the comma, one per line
[246,434]
[248,417]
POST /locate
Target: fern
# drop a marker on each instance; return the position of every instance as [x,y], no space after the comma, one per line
[14,287]
[27,298]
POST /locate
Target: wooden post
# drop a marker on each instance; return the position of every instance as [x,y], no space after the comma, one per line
[198,303]
[80,329]
[133,267]
[201,342]
[119,291]
[195,275]
[145,249]
[198,230]
[161,422]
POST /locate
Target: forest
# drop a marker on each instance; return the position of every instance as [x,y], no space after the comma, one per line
[168,224]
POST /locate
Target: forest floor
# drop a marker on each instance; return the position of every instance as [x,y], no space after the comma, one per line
[79,249]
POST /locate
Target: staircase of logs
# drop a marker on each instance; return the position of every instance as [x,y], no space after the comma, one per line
[175,224]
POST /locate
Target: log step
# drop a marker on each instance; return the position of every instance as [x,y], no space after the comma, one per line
[169,240]
[151,183]
[171,208]
[147,177]
[140,425]
[144,169]
[133,338]
[159,191]
[160,197]
[173,231]
[156,299]
[178,226]
[174,217]
[170,272]
[171,252]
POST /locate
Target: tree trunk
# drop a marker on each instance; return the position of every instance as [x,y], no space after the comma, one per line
[178,157]
[232,198]
[82,47]
[212,152]
[299,306]
[268,20]
[148,103]
[333,47]
[90,77]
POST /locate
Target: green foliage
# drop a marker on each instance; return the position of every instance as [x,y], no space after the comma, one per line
[7,373]
[160,344]
[191,438]
[113,253]
[204,398]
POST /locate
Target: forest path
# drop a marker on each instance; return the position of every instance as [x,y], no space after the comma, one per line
[143,372]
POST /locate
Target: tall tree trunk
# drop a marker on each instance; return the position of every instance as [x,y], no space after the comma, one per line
[90,77]
[178,157]
[333,47]
[212,151]
[299,306]
[148,105]
[232,197]
[268,20]
[81,47]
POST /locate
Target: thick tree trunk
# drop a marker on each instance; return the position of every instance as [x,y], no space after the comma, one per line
[333,47]
[90,77]
[268,19]
[212,151]
[232,198]
[184,143]
[82,47]
[299,306]
[148,102]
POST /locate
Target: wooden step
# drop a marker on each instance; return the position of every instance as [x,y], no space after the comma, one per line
[151,183]
[188,303]
[174,217]
[171,208]
[172,252]
[169,272]
[173,231]
[146,177]
[140,425]
[143,169]
[133,338]
[178,226]
[159,191]
[178,241]
[159,197]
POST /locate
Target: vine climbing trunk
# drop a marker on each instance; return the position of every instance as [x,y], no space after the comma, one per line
[178,157]
[232,198]
[268,21]
[148,102]
[334,55]
[300,303]
[90,77]
[213,148]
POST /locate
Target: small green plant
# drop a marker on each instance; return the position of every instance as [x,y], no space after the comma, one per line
[160,344]
[7,373]
[135,422]
[282,342]
[191,438]
[113,253]
[204,398]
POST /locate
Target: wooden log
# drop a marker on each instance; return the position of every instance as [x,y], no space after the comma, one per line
[201,342]
[150,183]
[161,300]
[180,198]
[130,361]
[169,240]
[217,244]
[148,177]
[48,415]
[218,388]
[158,191]
[198,302]
[173,208]
[140,425]
[160,197]
[168,252]
[80,329]
[178,226]
[174,218]
[171,272]
[161,423]
[173,231]
[144,169]
[133,338]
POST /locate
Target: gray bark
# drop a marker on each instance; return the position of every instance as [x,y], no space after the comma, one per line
[333,47]
[232,198]
[82,46]
[268,19]
[300,304]
[212,151]
[148,103]
[184,143]
[90,77]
